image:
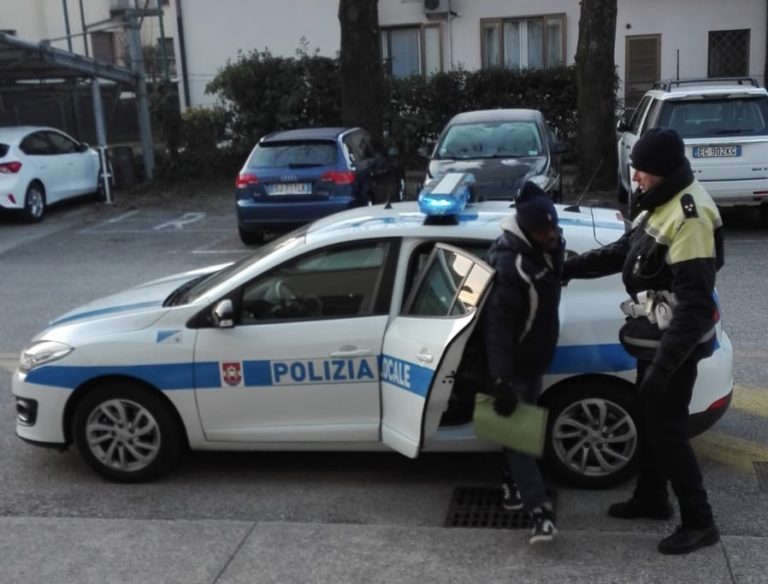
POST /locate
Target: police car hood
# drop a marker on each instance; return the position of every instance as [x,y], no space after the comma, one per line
[495,178]
[134,308]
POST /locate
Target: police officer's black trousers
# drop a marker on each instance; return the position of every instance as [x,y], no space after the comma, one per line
[665,451]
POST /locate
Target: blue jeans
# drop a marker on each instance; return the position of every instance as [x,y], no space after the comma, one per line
[523,468]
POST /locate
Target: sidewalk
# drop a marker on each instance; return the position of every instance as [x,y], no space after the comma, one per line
[102,551]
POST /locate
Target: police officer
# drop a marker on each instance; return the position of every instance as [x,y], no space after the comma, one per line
[668,260]
[520,328]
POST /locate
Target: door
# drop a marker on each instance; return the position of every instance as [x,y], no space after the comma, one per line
[79,162]
[48,168]
[300,363]
[423,346]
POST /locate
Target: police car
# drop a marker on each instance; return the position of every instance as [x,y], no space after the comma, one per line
[351,333]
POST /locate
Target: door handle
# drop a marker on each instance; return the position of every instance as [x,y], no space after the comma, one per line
[425,357]
[352,353]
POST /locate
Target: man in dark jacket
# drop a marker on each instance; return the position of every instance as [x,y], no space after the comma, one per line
[520,327]
[668,260]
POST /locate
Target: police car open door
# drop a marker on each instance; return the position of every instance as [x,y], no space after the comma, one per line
[423,346]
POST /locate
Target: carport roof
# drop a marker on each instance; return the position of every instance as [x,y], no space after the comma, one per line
[22,61]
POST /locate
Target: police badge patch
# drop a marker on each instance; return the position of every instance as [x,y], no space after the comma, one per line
[689,206]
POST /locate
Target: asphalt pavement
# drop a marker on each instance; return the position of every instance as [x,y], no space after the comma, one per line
[377,535]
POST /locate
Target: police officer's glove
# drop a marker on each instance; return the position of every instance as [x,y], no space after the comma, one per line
[655,380]
[506,398]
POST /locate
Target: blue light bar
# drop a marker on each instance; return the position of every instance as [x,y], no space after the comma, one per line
[447,195]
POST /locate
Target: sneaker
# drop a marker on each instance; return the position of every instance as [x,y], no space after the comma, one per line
[543,525]
[510,499]
[637,509]
[686,540]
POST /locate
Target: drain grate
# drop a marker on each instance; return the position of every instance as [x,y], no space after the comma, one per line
[761,470]
[481,507]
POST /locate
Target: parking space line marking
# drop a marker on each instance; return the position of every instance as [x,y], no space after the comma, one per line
[751,400]
[178,224]
[751,353]
[734,452]
[9,362]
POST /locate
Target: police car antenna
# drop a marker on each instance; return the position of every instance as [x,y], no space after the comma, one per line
[575,207]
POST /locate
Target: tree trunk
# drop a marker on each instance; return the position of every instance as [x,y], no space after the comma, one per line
[362,75]
[596,85]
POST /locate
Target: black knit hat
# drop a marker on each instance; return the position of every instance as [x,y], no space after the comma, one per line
[659,151]
[534,208]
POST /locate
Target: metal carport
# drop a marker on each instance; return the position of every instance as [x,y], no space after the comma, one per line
[23,63]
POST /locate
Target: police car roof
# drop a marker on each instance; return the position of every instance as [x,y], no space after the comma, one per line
[477,221]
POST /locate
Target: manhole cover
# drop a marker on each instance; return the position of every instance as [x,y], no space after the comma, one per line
[761,470]
[481,507]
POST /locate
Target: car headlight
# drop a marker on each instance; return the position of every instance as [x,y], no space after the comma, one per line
[42,352]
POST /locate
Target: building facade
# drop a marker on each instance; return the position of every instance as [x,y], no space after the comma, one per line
[655,39]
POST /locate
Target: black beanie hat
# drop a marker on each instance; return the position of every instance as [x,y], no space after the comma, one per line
[534,208]
[659,151]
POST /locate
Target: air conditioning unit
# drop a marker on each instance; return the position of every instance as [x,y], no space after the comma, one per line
[436,7]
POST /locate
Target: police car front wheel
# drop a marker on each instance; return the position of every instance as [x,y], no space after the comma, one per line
[125,432]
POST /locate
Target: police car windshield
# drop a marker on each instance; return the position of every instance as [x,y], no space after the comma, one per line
[199,288]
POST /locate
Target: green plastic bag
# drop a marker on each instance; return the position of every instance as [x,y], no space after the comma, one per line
[525,430]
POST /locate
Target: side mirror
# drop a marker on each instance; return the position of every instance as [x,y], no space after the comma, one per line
[223,314]
[424,151]
[622,126]
[561,147]
[82,147]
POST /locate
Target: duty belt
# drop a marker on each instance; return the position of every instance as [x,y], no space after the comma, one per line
[655,305]
[658,307]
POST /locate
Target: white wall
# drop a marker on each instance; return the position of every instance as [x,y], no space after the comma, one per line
[686,28]
[216,31]
[36,20]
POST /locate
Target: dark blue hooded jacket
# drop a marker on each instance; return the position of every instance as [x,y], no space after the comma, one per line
[520,319]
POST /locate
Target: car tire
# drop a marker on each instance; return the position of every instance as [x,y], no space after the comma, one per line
[250,237]
[126,432]
[34,203]
[592,433]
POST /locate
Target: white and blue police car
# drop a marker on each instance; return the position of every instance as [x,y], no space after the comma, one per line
[350,333]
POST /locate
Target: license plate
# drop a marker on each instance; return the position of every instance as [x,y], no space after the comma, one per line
[290,189]
[725,151]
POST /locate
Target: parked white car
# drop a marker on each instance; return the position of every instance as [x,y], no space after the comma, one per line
[350,333]
[41,166]
[724,124]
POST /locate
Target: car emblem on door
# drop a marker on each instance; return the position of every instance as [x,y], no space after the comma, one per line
[231,373]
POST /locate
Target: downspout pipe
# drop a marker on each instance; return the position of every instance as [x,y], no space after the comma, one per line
[182,54]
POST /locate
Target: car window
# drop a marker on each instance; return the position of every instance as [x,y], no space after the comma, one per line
[347,281]
[35,144]
[637,115]
[490,139]
[421,254]
[652,117]
[358,145]
[294,154]
[450,287]
[716,117]
[62,144]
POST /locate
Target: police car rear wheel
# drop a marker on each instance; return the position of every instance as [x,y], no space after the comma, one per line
[126,433]
[592,438]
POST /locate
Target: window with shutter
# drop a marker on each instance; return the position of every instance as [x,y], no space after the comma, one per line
[643,65]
